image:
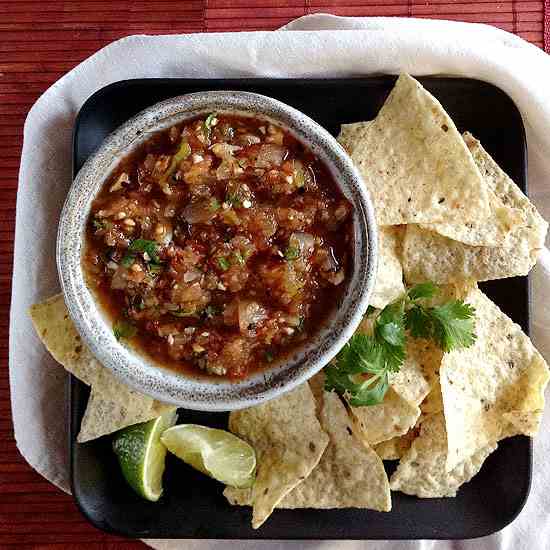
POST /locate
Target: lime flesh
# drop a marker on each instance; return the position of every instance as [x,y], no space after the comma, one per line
[141,455]
[216,453]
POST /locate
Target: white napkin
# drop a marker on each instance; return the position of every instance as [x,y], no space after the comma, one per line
[364,46]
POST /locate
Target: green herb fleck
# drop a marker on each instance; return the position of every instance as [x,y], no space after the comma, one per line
[124,330]
[184,150]
[233,199]
[208,124]
[183,313]
[292,253]
[223,263]
[269,356]
[211,311]
[128,259]
[99,225]
[214,204]
[143,245]
[154,269]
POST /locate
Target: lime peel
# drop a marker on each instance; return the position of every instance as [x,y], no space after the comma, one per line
[141,454]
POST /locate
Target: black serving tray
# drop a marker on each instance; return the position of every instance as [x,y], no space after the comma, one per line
[193,505]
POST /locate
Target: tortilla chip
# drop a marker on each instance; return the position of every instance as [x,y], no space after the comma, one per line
[56,329]
[415,163]
[492,230]
[428,256]
[112,405]
[509,193]
[413,381]
[289,443]
[396,447]
[391,418]
[317,387]
[509,206]
[493,389]
[349,475]
[389,276]
[108,412]
[351,134]
[422,470]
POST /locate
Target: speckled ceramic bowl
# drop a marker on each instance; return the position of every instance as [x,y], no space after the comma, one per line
[140,372]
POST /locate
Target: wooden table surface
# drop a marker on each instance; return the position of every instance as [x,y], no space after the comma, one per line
[39,42]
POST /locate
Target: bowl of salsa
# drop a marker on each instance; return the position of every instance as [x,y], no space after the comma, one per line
[218,249]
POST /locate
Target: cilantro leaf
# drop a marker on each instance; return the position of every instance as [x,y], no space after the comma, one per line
[422,290]
[361,370]
[453,325]
[450,326]
[371,392]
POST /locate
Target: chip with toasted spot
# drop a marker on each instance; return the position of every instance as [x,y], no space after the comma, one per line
[493,389]
[289,442]
[422,469]
[415,163]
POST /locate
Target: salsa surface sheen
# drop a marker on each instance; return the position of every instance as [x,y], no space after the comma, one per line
[219,245]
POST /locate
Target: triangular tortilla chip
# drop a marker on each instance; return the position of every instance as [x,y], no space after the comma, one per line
[509,193]
[112,405]
[391,418]
[489,231]
[491,388]
[289,442]
[422,469]
[349,475]
[506,214]
[351,134]
[416,165]
[57,331]
[430,256]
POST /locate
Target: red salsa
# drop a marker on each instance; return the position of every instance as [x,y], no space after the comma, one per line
[219,245]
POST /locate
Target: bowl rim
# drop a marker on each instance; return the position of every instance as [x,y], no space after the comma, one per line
[164,384]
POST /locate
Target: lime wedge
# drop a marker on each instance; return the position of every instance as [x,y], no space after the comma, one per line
[141,455]
[216,453]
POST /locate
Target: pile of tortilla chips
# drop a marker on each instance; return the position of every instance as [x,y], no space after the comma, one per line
[447,213]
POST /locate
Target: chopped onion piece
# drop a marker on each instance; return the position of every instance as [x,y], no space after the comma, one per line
[192,275]
[270,155]
[224,150]
[250,313]
[304,242]
[200,211]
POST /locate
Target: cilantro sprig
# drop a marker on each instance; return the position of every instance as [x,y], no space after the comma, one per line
[362,368]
